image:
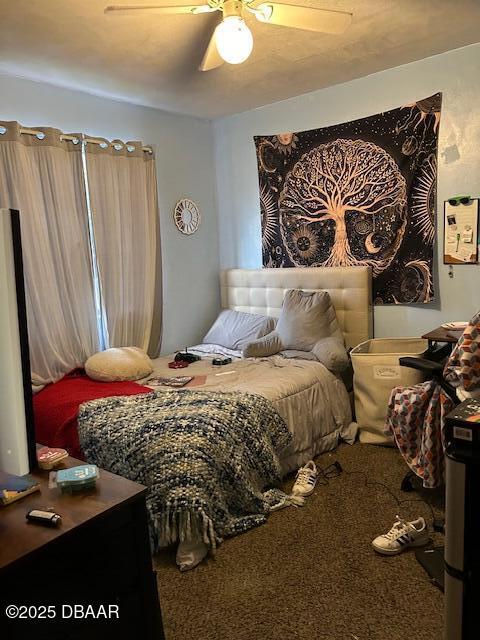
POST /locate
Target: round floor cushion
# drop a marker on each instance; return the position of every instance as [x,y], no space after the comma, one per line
[119,363]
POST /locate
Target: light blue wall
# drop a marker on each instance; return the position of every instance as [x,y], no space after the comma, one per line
[189,165]
[456,74]
[185,168]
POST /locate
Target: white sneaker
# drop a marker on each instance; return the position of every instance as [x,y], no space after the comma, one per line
[306,480]
[401,536]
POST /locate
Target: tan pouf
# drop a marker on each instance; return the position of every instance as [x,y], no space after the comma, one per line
[376,372]
[118,364]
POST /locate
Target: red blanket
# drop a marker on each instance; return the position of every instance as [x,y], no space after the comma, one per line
[56,407]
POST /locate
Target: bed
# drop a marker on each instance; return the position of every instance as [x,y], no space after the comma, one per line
[312,402]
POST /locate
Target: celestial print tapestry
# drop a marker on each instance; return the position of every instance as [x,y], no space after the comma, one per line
[358,193]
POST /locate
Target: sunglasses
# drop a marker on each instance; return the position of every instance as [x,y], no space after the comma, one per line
[454,202]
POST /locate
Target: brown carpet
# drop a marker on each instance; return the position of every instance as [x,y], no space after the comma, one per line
[310,573]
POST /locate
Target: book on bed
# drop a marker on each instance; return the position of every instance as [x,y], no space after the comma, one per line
[175,381]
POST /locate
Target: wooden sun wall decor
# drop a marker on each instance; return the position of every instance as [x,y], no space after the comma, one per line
[186,216]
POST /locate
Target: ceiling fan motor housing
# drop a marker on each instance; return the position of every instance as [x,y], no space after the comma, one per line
[232,8]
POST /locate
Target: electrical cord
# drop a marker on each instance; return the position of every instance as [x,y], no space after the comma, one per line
[336,469]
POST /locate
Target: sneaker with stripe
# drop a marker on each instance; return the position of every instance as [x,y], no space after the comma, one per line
[306,480]
[401,536]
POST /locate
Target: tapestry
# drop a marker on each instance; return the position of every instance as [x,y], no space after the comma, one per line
[358,193]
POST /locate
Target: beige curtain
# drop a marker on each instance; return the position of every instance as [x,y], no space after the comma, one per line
[123,200]
[43,178]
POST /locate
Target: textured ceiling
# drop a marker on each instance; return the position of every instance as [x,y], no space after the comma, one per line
[153,60]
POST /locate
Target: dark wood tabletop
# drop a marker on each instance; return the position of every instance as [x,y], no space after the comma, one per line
[442,335]
[19,538]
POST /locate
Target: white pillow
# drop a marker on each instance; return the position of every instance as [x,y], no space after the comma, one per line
[117,364]
[235,329]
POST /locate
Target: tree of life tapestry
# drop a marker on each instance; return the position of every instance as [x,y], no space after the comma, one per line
[358,193]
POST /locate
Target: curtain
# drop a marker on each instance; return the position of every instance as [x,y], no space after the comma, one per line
[123,204]
[43,178]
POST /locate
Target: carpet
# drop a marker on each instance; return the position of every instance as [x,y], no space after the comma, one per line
[310,573]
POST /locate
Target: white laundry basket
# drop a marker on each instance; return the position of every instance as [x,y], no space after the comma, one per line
[376,372]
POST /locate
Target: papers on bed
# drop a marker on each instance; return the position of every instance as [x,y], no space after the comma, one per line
[175,381]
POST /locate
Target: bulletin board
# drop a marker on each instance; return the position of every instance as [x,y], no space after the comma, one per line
[460,239]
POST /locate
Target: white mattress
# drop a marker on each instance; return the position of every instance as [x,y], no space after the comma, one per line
[313,402]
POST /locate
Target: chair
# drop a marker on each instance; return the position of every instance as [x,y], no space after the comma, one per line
[433,370]
[415,415]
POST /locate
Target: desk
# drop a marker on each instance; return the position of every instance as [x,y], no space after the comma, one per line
[441,335]
[99,554]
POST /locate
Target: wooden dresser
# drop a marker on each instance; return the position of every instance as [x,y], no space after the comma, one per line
[98,556]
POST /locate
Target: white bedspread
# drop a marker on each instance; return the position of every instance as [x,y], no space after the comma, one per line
[312,401]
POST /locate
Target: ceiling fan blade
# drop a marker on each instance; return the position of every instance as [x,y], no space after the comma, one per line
[137,10]
[288,15]
[211,59]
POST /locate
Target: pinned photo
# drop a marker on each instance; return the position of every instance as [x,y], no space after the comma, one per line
[467,235]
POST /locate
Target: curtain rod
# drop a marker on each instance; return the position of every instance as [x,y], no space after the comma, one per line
[65,136]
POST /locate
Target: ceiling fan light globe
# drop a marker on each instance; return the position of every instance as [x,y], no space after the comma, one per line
[234,40]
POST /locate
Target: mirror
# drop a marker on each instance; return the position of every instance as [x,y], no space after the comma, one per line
[17,431]
[186,216]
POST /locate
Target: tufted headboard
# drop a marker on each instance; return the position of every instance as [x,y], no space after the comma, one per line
[262,291]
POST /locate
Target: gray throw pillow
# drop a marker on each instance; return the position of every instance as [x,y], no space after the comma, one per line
[266,346]
[307,319]
[332,354]
[235,329]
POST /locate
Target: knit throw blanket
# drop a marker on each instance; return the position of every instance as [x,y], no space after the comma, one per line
[208,459]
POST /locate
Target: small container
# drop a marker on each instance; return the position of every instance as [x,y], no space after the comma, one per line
[49,458]
[79,478]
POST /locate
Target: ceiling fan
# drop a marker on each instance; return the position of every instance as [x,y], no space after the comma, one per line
[232,40]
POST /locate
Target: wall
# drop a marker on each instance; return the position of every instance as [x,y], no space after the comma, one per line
[454,73]
[185,167]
